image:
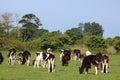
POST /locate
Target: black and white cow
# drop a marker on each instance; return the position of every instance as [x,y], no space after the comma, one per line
[1,58]
[11,56]
[24,58]
[50,59]
[39,60]
[65,57]
[45,58]
[88,60]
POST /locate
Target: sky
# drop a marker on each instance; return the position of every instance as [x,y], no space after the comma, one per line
[66,14]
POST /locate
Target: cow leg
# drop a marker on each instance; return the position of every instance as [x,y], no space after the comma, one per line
[38,63]
[9,61]
[102,67]
[35,63]
[75,57]
[44,63]
[28,62]
[96,71]
[49,66]
[53,65]
[106,68]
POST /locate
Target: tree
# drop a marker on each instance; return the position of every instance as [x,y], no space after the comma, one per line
[96,44]
[30,23]
[93,29]
[6,22]
[117,46]
[116,43]
[75,34]
[40,32]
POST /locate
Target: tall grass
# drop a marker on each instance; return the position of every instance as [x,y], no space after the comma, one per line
[23,72]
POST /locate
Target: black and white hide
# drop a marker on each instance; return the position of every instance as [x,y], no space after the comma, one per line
[11,56]
[24,58]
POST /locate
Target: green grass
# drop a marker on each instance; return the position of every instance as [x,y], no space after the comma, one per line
[23,72]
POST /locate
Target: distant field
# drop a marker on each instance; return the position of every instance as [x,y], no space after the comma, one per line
[23,72]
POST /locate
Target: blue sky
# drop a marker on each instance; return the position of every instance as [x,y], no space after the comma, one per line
[66,14]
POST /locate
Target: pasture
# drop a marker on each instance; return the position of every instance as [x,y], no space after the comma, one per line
[71,72]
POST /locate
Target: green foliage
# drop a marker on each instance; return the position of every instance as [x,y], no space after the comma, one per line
[75,34]
[93,29]
[117,46]
[50,40]
[30,24]
[96,44]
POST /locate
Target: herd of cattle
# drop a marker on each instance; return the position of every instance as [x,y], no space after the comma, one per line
[44,58]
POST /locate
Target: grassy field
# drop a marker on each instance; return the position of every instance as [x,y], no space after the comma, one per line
[23,72]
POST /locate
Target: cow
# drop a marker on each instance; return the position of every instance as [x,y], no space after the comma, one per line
[40,57]
[104,63]
[11,56]
[65,57]
[88,60]
[45,58]
[77,53]
[1,58]
[24,58]
[50,59]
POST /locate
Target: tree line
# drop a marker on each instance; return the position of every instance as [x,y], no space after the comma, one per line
[26,33]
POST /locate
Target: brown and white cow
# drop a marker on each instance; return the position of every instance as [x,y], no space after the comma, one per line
[88,60]
[24,58]
[77,53]
[105,61]
[1,58]
[66,56]
[11,56]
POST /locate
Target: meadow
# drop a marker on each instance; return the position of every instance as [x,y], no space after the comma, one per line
[71,72]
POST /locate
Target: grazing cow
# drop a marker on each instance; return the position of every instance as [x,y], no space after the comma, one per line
[77,53]
[24,58]
[11,56]
[65,57]
[105,61]
[1,58]
[88,60]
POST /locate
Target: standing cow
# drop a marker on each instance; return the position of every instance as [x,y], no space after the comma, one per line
[24,58]
[45,58]
[39,60]
[77,53]
[66,56]
[11,56]
[105,61]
